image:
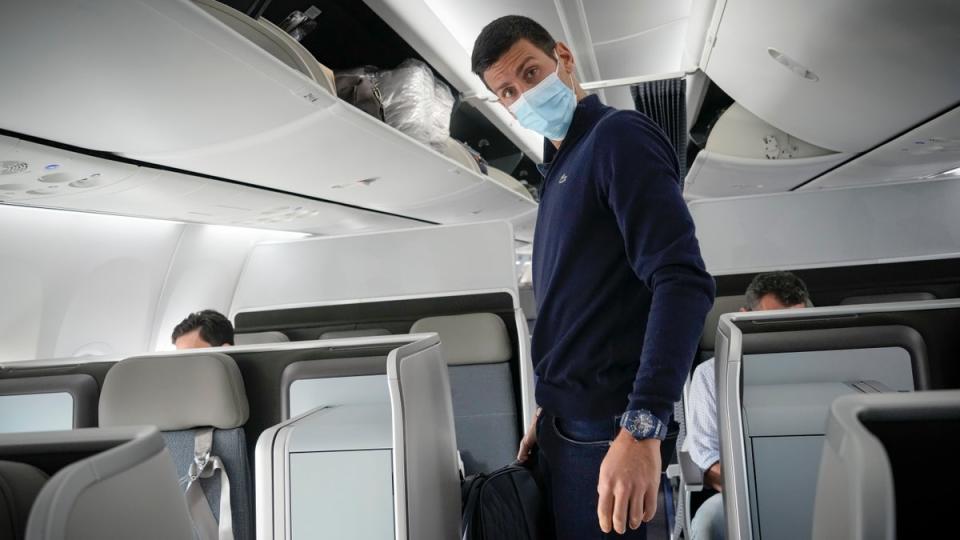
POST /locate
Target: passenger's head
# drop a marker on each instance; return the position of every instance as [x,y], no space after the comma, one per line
[207,328]
[777,290]
[514,54]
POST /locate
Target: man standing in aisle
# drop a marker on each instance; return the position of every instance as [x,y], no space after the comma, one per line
[621,286]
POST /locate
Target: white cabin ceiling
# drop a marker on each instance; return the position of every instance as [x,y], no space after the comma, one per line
[610,38]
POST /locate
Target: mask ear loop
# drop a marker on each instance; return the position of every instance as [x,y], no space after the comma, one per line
[573,79]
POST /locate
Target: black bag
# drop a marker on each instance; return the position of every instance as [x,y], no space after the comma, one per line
[507,504]
[361,92]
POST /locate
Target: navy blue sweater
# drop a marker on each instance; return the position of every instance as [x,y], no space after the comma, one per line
[617,273]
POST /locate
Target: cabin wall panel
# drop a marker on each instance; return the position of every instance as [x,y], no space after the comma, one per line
[75,284]
[203,274]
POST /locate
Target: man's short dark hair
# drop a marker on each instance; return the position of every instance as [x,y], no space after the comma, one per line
[214,328]
[787,287]
[497,37]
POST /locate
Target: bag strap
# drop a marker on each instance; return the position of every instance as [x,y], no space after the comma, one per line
[205,465]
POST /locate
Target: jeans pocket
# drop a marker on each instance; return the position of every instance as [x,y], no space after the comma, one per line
[597,435]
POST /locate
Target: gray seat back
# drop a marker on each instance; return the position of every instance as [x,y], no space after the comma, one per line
[478,350]
[104,483]
[181,395]
[871,482]
[19,485]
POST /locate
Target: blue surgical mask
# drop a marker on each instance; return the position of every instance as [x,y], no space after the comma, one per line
[547,108]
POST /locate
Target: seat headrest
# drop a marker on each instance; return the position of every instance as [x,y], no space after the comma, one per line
[363,332]
[256,338]
[19,485]
[175,392]
[477,338]
[721,305]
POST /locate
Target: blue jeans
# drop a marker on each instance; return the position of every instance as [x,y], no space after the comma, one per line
[709,523]
[571,452]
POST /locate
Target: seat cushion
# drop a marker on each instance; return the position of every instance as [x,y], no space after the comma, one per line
[19,485]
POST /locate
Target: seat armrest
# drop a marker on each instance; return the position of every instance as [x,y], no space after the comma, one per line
[690,474]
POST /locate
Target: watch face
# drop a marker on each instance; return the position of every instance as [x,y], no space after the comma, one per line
[643,425]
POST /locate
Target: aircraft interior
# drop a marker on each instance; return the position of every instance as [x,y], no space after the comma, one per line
[332,177]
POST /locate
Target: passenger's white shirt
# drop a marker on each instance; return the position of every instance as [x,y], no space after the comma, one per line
[703,436]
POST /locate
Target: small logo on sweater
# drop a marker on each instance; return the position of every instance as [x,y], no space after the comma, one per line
[563,178]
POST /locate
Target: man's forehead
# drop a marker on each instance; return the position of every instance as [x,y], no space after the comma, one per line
[516,55]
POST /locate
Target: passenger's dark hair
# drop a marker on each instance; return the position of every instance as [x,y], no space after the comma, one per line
[497,37]
[214,328]
[787,287]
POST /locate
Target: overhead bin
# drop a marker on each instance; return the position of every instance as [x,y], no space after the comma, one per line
[178,88]
[61,179]
[846,76]
[745,155]
[922,153]
[272,39]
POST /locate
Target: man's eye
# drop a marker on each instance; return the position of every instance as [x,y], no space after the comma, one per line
[531,73]
[507,94]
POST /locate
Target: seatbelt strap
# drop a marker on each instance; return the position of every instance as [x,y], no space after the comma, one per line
[205,465]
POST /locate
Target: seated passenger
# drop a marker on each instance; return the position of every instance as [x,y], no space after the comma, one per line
[771,290]
[207,328]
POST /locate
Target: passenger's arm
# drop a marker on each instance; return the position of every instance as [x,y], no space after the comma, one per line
[639,179]
[703,440]
[640,182]
[713,478]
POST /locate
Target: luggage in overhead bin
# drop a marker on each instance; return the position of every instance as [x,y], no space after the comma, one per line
[358,87]
[409,97]
[416,102]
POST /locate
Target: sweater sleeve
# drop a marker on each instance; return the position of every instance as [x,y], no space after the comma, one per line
[638,178]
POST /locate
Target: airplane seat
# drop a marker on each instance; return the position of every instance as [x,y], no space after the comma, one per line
[871,482]
[708,340]
[360,332]
[90,483]
[199,403]
[477,350]
[20,484]
[258,338]
[778,386]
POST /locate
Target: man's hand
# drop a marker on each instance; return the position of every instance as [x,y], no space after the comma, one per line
[529,440]
[629,480]
[713,477]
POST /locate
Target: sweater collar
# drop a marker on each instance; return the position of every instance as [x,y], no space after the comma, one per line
[588,112]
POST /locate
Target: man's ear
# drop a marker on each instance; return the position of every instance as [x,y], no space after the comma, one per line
[566,57]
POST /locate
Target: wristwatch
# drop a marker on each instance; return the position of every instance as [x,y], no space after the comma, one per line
[643,424]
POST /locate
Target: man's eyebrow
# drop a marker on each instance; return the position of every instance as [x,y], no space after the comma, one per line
[520,69]
[523,65]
